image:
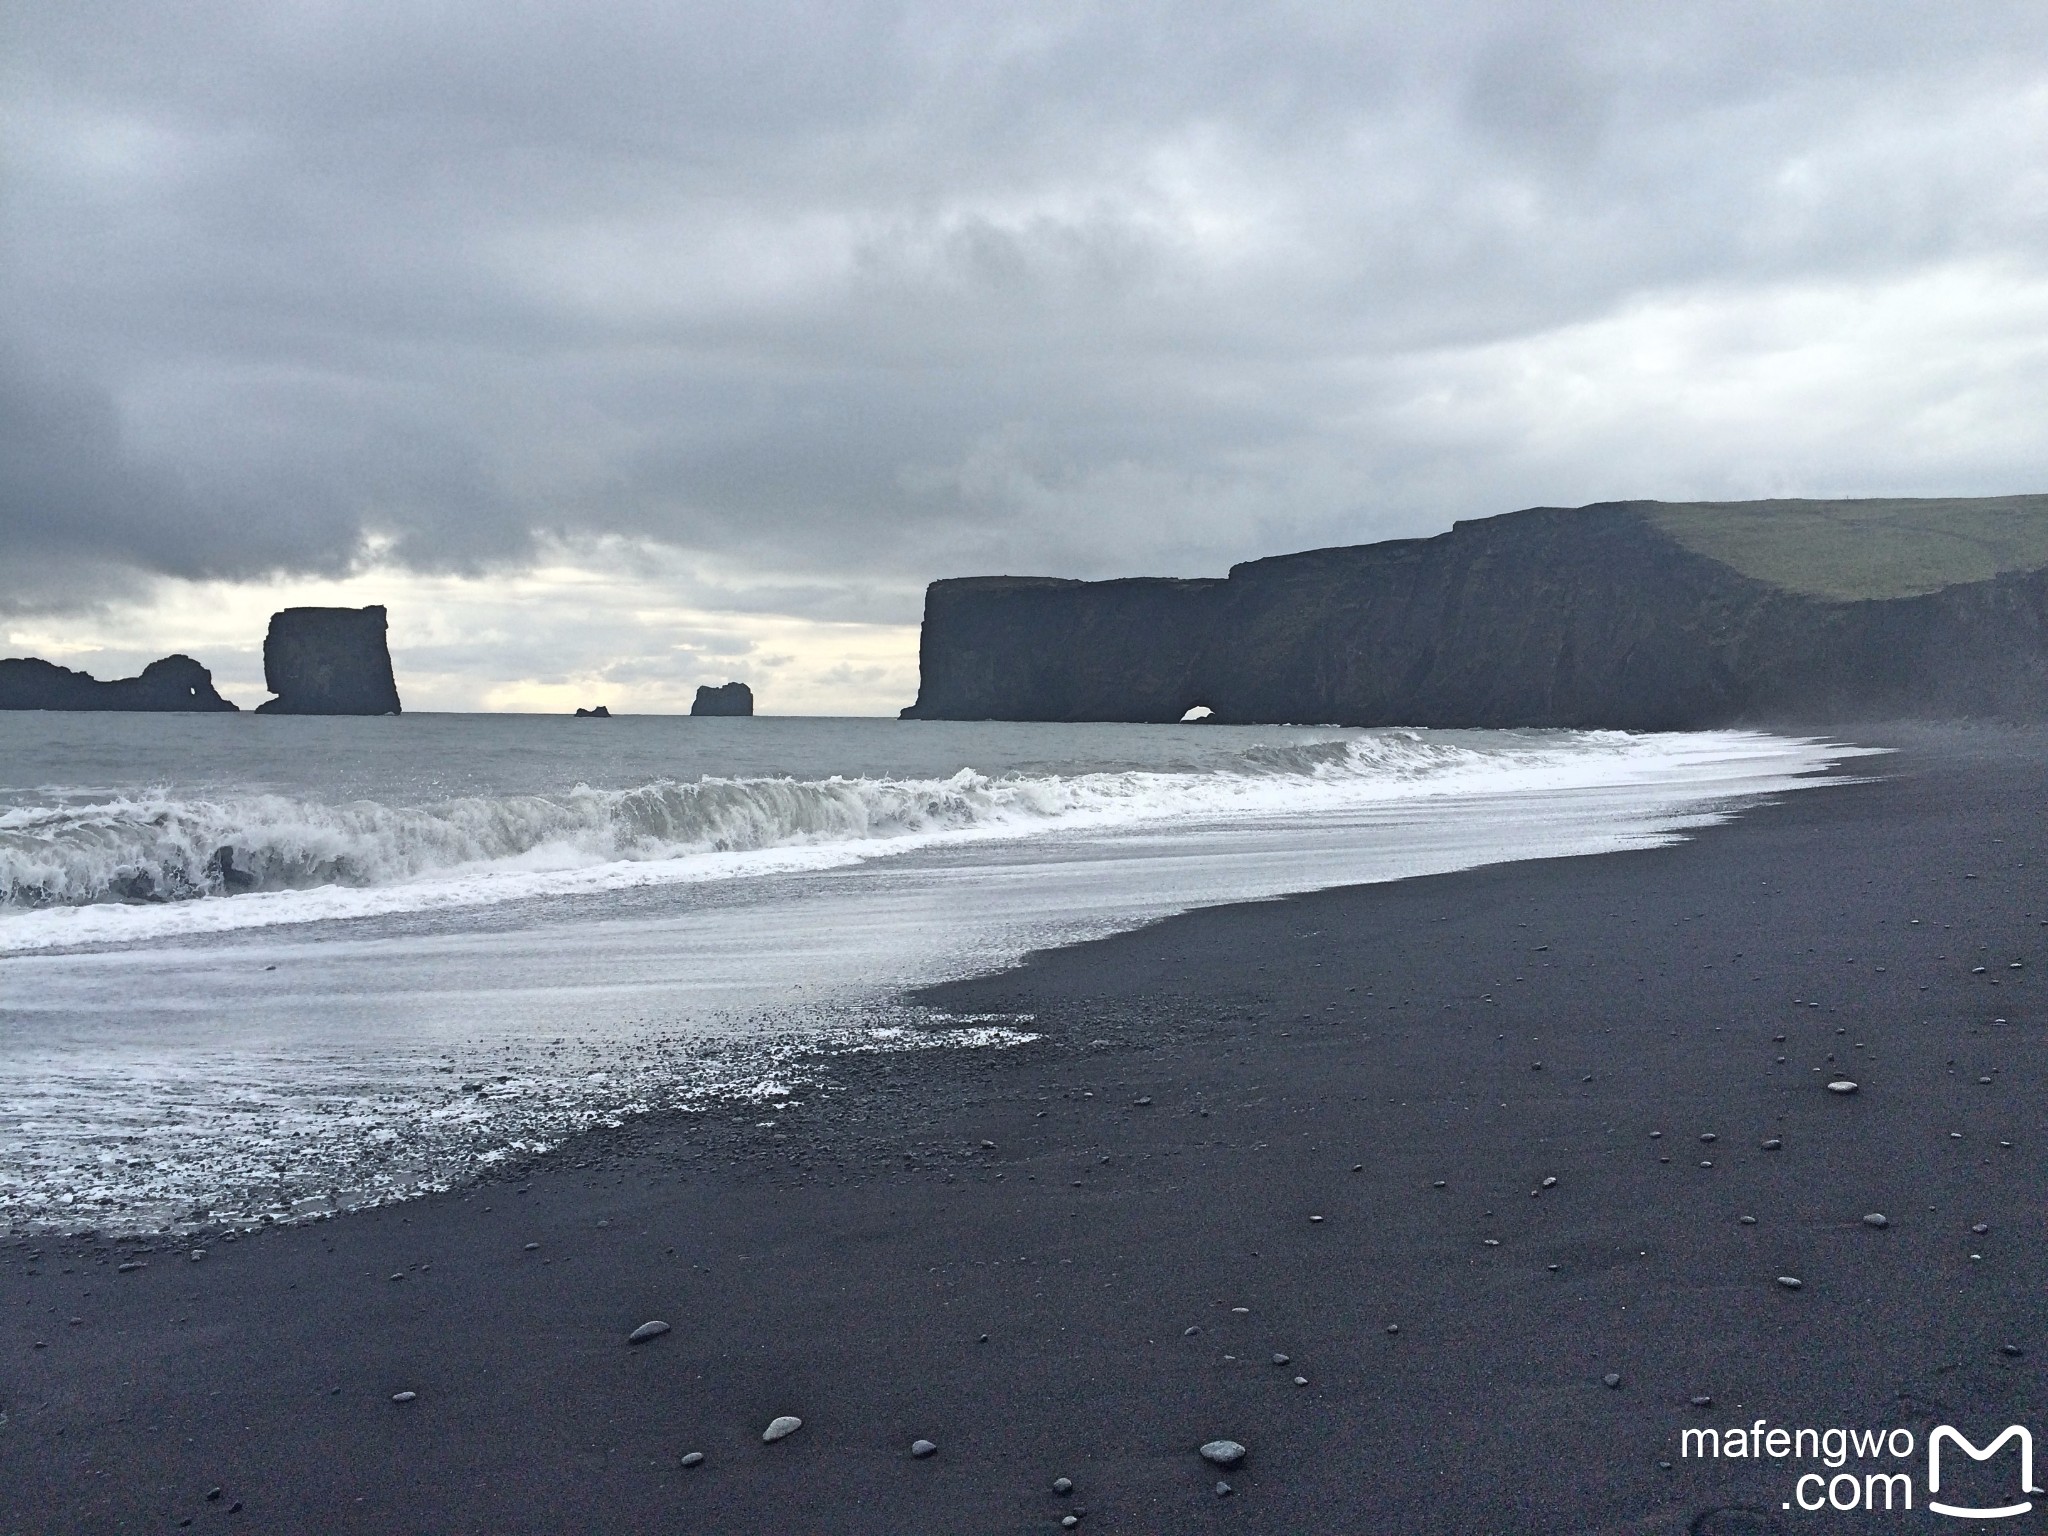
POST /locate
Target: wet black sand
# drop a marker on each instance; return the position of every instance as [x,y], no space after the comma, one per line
[845,1263]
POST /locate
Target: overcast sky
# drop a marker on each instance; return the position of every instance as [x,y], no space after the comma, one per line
[620,347]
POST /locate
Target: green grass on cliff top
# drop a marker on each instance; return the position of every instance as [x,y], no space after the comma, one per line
[1864,549]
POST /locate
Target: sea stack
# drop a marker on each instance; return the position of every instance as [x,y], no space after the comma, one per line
[732,699]
[176,683]
[328,661]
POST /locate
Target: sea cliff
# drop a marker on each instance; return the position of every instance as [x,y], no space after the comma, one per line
[1638,615]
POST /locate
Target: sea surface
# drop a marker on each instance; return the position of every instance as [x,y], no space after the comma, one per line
[264,968]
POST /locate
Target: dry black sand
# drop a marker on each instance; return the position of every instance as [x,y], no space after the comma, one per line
[1204,1089]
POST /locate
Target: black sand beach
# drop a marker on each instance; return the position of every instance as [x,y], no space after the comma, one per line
[1337,1113]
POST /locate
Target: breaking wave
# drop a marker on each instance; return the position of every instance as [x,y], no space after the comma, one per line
[162,848]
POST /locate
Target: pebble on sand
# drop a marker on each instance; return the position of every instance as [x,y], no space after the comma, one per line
[403,1397]
[1877,1219]
[1063,1485]
[1611,1379]
[648,1330]
[1841,1085]
[1223,1453]
[1549,1183]
[781,1428]
[1281,1359]
[1774,1144]
[1790,1282]
[693,1459]
[1223,1489]
[923,1448]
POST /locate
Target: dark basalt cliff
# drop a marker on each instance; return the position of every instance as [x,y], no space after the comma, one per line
[731,699]
[1608,615]
[174,683]
[328,661]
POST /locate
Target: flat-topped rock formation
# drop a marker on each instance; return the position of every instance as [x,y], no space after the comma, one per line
[328,661]
[176,683]
[1641,615]
[732,699]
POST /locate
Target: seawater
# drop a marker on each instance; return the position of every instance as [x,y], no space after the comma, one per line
[270,967]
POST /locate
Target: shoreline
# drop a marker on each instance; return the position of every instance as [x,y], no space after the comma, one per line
[844,1262]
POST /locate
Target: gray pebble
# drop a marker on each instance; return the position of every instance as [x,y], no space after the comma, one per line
[693,1459]
[1981,1228]
[1775,1144]
[1301,1381]
[1877,1219]
[923,1448]
[1189,1333]
[1611,1379]
[1393,1327]
[1223,1489]
[1747,1221]
[1549,1183]
[132,1264]
[533,1247]
[1063,1485]
[2011,1349]
[1790,1282]
[1068,1522]
[1280,1359]
[1223,1453]
[403,1397]
[198,1254]
[1703,1401]
[1841,1085]
[781,1428]
[646,1331]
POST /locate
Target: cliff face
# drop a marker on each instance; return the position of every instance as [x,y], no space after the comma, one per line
[731,699]
[174,683]
[328,661]
[1593,616]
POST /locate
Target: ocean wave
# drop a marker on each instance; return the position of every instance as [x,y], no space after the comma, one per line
[163,849]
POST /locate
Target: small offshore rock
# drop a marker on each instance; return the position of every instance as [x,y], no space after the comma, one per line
[1223,1453]
[132,1264]
[781,1428]
[693,1459]
[1790,1282]
[648,1330]
[1841,1085]
[1877,1219]
[198,1254]
[923,1448]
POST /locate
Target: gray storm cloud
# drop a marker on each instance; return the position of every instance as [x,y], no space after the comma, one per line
[848,296]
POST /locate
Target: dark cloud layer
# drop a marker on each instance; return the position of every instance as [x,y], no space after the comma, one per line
[846,296]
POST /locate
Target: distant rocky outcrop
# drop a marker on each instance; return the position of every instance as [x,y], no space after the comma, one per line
[328,661]
[732,699]
[1639,615]
[599,713]
[176,683]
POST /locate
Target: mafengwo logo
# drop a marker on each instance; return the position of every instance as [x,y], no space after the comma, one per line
[1864,1470]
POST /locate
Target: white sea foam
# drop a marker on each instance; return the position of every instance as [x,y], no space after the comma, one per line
[147,866]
